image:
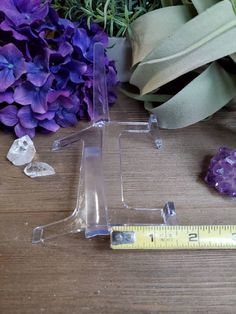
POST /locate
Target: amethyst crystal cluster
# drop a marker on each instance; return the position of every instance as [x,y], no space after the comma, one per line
[46,68]
[222,171]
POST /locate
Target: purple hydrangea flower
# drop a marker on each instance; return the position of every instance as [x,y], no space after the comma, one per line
[46,68]
[21,131]
[82,41]
[222,171]
[38,69]
[66,107]
[6,26]
[7,97]
[85,44]
[65,49]
[22,12]
[8,115]
[28,121]
[12,66]
[29,94]
[76,70]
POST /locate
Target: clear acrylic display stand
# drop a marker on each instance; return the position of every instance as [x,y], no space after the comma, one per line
[101,200]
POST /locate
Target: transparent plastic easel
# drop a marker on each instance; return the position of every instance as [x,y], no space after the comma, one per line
[99,206]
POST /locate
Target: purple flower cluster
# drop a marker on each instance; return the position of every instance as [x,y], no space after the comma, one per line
[222,171]
[46,68]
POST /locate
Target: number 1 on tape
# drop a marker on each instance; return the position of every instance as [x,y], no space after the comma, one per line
[173,237]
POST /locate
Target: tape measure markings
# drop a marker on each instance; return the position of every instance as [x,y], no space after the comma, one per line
[174,237]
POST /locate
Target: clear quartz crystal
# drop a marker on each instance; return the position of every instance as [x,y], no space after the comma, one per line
[22,151]
[38,169]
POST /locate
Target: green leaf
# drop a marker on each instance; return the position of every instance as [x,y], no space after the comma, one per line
[234,5]
[207,37]
[202,5]
[105,12]
[150,29]
[233,56]
[146,98]
[89,13]
[205,95]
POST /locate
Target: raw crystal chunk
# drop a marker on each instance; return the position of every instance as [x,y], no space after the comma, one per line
[22,151]
[38,169]
[222,171]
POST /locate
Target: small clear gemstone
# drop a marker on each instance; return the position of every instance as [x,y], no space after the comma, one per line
[22,151]
[38,169]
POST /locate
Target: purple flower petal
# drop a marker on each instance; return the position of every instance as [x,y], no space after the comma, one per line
[6,78]
[24,93]
[8,115]
[36,76]
[66,23]
[55,69]
[62,79]
[49,115]
[81,40]
[101,37]
[88,83]
[12,65]
[54,94]
[24,12]
[65,101]
[70,103]
[89,71]
[28,94]
[77,69]
[26,5]
[25,96]
[66,107]
[111,75]
[54,106]
[68,27]
[65,49]
[67,119]
[46,26]
[4,26]
[7,96]
[50,125]
[3,62]
[21,131]
[42,36]
[26,118]
[53,16]
[27,52]
[89,105]
[37,71]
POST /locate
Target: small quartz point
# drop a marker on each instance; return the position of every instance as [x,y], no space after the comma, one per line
[38,169]
[22,151]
